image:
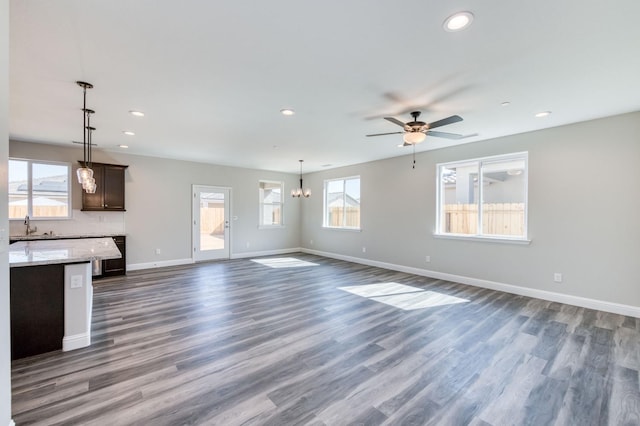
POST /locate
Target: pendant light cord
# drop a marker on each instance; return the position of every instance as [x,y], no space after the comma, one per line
[84,124]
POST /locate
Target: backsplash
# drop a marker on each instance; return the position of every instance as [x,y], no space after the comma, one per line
[81,223]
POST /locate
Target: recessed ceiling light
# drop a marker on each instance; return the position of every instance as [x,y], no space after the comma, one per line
[129,133]
[137,113]
[506,104]
[458,21]
[543,114]
[287,111]
[124,146]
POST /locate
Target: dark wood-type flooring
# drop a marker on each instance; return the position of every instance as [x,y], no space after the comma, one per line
[236,342]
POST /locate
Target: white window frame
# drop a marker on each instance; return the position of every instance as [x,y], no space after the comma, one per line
[324,204]
[261,204]
[478,162]
[30,162]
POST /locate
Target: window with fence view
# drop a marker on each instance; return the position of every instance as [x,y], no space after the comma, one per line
[484,197]
[342,203]
[271,203]
[39,189]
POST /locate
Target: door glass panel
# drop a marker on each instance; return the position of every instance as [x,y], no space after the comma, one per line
[212,221]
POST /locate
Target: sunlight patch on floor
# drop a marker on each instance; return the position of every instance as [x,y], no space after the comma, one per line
[284,262]
[403,296]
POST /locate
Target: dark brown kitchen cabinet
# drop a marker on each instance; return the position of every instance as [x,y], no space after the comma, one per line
[109,195]
[113,267]
[37,309]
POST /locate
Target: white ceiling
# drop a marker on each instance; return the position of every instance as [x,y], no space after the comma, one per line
[212,76]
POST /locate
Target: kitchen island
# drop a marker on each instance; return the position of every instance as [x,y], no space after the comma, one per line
[52,292]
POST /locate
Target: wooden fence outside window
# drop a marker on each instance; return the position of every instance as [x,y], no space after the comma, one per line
[497,219]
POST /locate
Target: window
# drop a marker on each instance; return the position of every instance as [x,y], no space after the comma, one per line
[270,203]
[342,203]
[485,197]
[39,189]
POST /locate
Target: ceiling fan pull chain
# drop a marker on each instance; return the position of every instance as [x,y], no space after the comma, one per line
[414,157]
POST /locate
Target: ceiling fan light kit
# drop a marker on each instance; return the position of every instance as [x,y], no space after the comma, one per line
[413,138]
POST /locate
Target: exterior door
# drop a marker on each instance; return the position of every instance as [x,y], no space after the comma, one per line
[210,223]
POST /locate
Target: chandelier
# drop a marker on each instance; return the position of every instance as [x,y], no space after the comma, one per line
[299,192]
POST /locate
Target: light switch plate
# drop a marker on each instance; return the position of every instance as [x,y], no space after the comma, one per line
[76,281]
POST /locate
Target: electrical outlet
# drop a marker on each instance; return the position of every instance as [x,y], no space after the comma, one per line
[76,281]
[427,259]
[364,249]
[248,244]
[158,251]
[311,242]
[557,277]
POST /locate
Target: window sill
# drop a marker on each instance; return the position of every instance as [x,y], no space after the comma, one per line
[500,240]
[335,228]
[271,226]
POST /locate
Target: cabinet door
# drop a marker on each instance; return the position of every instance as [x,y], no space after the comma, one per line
[95,201]
[113,177]
[37,309]
[111,267]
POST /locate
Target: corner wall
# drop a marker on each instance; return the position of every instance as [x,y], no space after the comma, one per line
[5,348]
[584,199]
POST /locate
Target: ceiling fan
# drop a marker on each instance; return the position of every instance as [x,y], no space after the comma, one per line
[416,131]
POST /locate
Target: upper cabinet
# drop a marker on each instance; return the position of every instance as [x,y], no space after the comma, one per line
[109,193]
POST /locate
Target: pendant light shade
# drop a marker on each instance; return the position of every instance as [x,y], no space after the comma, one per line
[83,174]
[299,192]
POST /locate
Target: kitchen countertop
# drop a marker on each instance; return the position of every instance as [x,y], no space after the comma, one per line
[47,252]
[34,237]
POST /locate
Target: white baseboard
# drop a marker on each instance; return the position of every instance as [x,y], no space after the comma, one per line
[76,341]
[600,305]
[265,253]
[178,262]
[158,264]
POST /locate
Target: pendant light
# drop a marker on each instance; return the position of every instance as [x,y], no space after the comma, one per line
[299,192]
[89,185]
[85,172]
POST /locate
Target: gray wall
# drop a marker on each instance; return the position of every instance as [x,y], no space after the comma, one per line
[584,204]
[158,203]
[5,353]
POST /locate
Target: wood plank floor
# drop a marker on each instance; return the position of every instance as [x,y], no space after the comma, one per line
[241,343]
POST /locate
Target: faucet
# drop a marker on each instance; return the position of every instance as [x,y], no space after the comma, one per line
[28,223]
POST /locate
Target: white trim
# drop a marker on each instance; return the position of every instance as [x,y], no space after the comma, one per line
[158,264]
[76,341]
[486,239]
[337,228]
[616,308]
[265,253]
[11,422]
[263,227]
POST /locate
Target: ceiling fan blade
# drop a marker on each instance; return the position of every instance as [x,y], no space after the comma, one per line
[396,121]
[382,134]
[445,121]
[449,135]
